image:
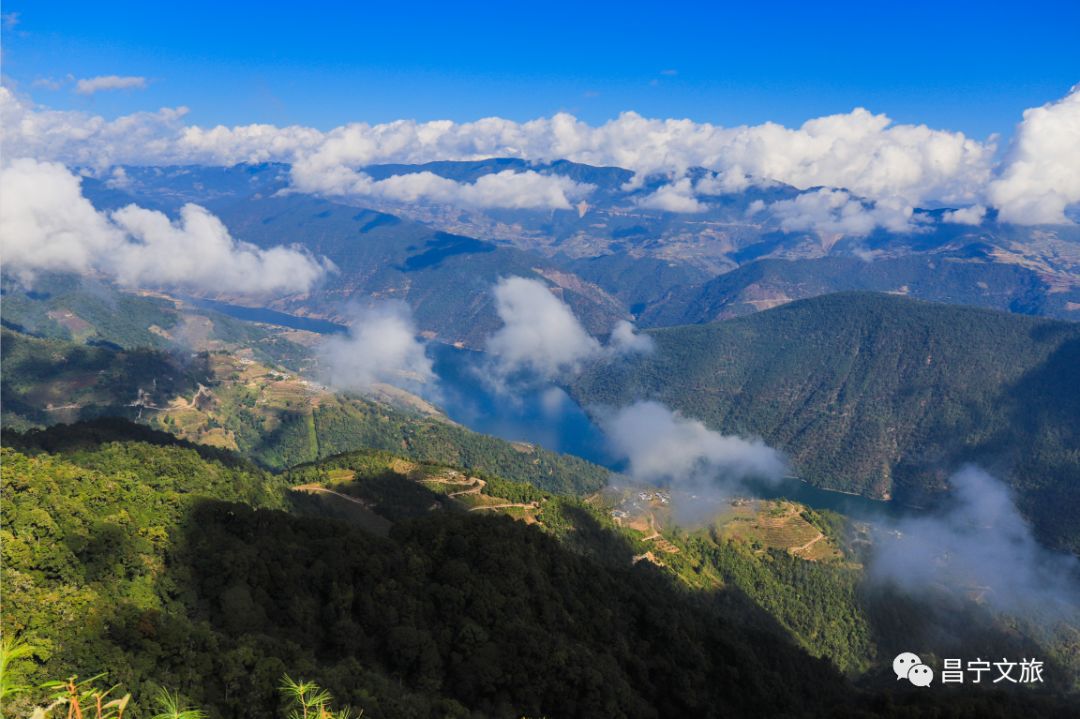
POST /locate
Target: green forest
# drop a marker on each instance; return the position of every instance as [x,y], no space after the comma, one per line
[881,395]
[164,548]
[168,566]
[50,380]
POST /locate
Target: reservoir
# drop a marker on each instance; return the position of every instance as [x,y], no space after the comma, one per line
[543,415]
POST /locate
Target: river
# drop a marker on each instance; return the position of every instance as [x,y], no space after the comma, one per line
[546,416]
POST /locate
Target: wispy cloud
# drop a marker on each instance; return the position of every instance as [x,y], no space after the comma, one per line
[381,346]
[666,448]
[90,85]
[980,543]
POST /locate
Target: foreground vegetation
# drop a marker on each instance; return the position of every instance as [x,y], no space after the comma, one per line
[128,552]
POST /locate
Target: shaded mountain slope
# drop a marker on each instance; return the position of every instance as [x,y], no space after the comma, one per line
[881,395]
[968,276]
[446,278]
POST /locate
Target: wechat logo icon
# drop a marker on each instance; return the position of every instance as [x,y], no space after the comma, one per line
[908,666]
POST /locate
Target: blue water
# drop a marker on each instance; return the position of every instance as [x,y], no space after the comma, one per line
[270,317]
[546,416]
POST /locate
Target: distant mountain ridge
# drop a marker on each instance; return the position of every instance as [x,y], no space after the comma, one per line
[610,256]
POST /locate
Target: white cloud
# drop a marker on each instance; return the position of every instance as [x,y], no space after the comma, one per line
[47,225]
[980,542]
[835,213]
[624,340]
[198,251]
[860,151]
[664,447]
[1041,175]
[863,153]
[506,189]
[973,215]
[723,183]
[540,334]
[90,85]
[381,346]
[542,339]
[677,196]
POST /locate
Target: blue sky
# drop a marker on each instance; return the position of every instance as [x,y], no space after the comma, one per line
[970,67]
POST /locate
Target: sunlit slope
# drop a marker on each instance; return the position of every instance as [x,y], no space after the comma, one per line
[270,414]
[881,395]
[159,564]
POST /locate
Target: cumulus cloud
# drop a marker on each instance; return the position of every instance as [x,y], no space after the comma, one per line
[541,338]
[540,334]
[663,447]
[90,85]
[980,544]
[836,213]
[864,153]
[734,179]
[1041,176]
[506,189]
[47,225]
[677,196]
[381,347]
[973,215]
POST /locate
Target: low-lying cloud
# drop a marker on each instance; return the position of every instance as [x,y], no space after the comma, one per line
[836,213]
[973,215]
[541,338]
[506,189]
[980,544]
[381,346]
[47,225]
[540,333]
[665,448]
[677,196]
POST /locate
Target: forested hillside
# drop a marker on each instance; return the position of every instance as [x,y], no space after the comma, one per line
[881,395]
[230,401]
[128,552]
[970,275]
[154,563]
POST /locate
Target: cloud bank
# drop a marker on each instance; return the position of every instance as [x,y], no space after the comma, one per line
[381,346]
[507,189]
[866,154]
[47,225]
